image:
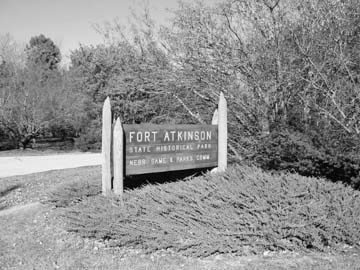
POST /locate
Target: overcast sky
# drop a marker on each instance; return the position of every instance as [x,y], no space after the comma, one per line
[69,22]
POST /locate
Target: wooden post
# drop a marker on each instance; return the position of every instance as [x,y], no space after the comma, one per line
[106,148]
[118,157]
[222,134]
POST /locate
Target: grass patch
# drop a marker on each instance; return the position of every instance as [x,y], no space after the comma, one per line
[67,194]
[242,211]
[23,189]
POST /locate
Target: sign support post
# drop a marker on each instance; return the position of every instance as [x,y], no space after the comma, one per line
[106,148]
[118,158]
[223,133]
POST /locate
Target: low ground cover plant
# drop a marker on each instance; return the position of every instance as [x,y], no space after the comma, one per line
[241,211]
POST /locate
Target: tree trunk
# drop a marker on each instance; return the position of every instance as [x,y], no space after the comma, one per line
[26,141]
[265,122]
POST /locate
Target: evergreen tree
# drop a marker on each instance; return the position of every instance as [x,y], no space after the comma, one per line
[42,52]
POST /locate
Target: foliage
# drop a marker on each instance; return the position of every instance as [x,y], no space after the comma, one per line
[279,62]
[243,210]
[90,138]
[138,81]
[42,52]
[31,105]
[296,152]
[36,98]
[11,51]
[5,140]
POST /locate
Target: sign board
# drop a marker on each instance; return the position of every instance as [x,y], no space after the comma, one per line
[140,149]
[160,148]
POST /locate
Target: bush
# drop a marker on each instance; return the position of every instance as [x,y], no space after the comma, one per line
[90,137]
[243,210]
[62,129]
[296,152]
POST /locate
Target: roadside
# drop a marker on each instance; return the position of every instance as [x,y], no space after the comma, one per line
[34,152]
[21,165]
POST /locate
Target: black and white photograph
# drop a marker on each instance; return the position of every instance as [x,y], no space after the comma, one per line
[180,134]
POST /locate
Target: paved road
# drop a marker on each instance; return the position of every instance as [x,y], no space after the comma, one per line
[10,166]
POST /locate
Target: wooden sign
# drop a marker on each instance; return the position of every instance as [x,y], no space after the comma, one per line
[159,148]
[140,149]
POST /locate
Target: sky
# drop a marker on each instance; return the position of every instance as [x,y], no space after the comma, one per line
[70,22]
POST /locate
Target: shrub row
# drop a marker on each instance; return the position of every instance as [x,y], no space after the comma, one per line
[242,211]
[296,152]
